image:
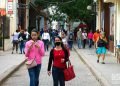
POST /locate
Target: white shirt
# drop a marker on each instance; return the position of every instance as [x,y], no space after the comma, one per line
[46,36]
[15,35]
[27,35]
[84,35]
[64,40]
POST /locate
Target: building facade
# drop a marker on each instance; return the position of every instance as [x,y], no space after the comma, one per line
[108,20]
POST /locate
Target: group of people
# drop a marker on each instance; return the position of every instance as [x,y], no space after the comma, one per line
[83,38]
[62,42]
[49,37]
[59,55]
[98,39]
[19,39]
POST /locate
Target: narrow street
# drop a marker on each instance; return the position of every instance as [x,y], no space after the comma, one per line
[83,76]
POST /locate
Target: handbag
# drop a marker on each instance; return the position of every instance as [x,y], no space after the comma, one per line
[69,73]
[31,63]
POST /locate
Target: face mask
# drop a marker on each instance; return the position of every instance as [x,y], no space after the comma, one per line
[58,43]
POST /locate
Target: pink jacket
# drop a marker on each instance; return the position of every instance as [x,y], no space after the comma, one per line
[35,52]
[90,35]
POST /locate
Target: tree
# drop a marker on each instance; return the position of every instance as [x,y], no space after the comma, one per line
[73,8]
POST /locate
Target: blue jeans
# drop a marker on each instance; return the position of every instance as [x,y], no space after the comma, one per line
[90,43]
[70,43]
[34,75]
[22,46]
[53,43]
[79,42]
[58,77]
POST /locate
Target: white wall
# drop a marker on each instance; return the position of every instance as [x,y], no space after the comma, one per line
[118,22]
[13,23]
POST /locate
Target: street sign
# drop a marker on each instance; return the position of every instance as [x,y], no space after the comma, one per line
[10,6]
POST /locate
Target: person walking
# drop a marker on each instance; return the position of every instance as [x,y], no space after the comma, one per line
[84,36]
[64,39]
[15,41]
[90,37]
[96,35]
[22,41]
[70,40]
[58,57]
[101,47]
[53,35]
[79,38]
[46,39]
[27,34]
[34,49]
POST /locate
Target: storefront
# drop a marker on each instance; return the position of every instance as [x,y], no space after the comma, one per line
[110,22]
[107,21]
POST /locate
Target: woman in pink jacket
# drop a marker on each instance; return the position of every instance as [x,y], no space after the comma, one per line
[34,48]
[90,37]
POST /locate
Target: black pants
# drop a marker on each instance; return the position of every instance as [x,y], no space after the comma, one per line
[58,77]
[84,43]
[46,44]
[15,45]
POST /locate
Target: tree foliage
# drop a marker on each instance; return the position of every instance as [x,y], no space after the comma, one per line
[75,9]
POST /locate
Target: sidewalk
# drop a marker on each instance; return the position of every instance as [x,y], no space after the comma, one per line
[107,74]
[9,63]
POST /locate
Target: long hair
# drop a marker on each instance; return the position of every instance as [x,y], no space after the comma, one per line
[62,45]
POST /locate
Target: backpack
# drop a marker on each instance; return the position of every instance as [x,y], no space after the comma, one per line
[101,43]
[70,36]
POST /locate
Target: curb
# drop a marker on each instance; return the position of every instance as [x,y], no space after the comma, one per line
[9,72]
[97,74]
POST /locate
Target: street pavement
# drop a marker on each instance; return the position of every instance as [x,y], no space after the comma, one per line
[83,75]
[108,74]
[9,63]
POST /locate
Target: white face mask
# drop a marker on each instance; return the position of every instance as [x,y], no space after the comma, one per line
[79,29]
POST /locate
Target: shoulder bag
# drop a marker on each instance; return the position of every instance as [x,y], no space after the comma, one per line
[31,63]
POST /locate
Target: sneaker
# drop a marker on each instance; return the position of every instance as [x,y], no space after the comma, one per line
[103,62]
[97,61]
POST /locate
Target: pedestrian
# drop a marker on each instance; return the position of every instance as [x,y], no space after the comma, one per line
[70,40]
[59,57]
[27,34]
[79,38]
[96,35]
[90,37]
[64,39]
[46,39]
[15,41]
[34,49]
[84,36]
[101,47]
[53,35]
[22,41]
